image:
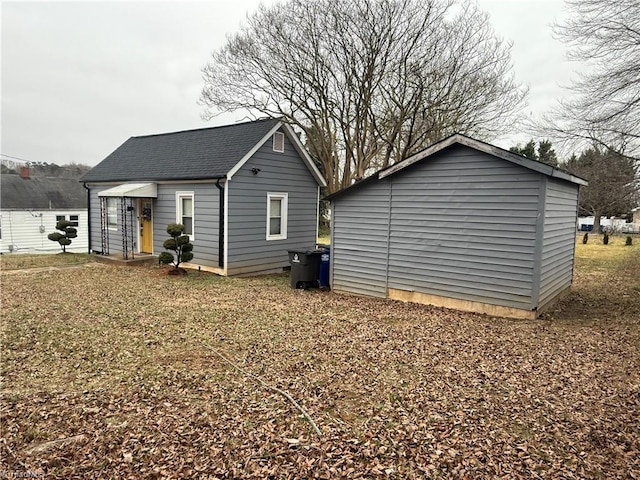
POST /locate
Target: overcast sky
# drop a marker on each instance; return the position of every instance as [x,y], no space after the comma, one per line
[79,78]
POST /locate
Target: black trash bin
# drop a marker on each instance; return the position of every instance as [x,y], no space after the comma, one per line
[305,268]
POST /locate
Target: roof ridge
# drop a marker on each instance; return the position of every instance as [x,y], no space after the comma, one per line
[207,128]
[37,177]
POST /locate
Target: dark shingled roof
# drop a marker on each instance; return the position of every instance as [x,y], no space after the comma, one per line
[35,193]
[188,155]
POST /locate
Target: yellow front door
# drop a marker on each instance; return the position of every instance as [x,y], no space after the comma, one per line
[146,226]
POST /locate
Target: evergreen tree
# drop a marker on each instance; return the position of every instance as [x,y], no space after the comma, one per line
[543,153]
[614,187]
[179,244]
[64,236]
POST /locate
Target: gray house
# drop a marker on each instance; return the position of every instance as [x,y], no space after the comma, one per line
[246,193]
[462,224]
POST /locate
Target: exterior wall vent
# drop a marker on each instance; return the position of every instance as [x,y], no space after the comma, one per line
[278,142]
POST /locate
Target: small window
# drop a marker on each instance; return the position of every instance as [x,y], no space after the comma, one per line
[112,213]
[71,218]
[185,212]
[278,142]
[277,216]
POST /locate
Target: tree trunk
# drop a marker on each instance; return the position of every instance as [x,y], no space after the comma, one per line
[596,223]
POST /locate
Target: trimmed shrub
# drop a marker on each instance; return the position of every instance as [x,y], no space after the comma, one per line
[64,236]
[179,246]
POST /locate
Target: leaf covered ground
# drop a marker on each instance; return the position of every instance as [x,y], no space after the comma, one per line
[111,372]
[15,261]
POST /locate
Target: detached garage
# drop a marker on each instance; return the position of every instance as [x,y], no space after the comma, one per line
[462,224]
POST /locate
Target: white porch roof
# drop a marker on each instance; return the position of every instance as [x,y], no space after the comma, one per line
[137,190]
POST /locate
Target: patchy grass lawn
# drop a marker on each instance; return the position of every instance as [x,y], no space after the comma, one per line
[118,365]
[17,261]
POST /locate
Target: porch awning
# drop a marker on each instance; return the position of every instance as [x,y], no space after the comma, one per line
[136,190]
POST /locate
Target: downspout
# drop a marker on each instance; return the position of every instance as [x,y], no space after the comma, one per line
[88,215]
[221,225]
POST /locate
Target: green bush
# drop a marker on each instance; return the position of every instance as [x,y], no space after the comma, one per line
[64,236]
[179,246]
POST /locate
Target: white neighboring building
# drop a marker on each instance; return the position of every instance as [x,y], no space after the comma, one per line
[617,225]
[30,208]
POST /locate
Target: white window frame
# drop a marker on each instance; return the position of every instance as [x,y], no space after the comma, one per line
[179,197]
[112,201]
[284,199]
[278,139]
[67,218]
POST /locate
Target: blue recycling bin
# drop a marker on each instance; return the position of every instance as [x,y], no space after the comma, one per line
[325,260]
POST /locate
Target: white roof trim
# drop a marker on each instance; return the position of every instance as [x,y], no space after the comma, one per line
[486,148]
[300,148]
[297,145]
[250,153]
[137,190]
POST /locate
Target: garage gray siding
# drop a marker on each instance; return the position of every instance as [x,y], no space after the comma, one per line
[463,226]
[360,230]
[248,250]
[558,245]
[206,219]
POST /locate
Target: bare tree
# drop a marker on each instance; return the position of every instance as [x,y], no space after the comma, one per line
[369,82]
[604,106]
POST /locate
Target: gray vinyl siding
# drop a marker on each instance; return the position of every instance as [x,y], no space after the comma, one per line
[248,250]
[206,221]
[558,246]
[463,225]
[114,236]
[360,229]
[94,217]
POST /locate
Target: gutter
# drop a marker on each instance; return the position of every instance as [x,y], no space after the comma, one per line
[220,225]
[88,215]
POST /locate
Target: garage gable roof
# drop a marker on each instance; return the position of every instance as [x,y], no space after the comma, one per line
[471,143]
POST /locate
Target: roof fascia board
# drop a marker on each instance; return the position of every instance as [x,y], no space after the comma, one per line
[365,181]
[293,138]
[489,149]
[567,176]
[251,152]
[427,152]
[302,151]
[159,182]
